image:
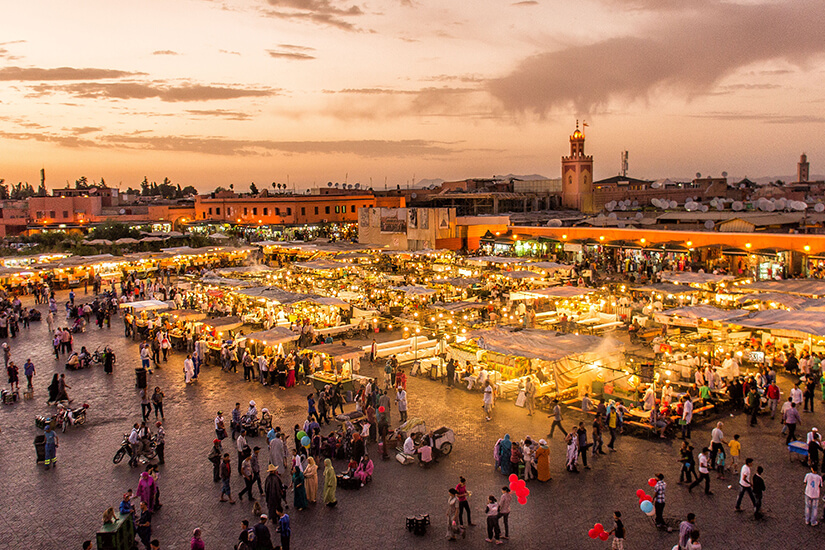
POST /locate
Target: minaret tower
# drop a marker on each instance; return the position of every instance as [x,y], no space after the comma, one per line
[577,175]
[803,169]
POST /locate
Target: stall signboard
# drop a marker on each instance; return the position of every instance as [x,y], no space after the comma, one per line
[571,247]
[394,220]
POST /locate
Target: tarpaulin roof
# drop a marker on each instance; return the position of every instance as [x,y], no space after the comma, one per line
[665,288]
[705,312]
[560,292]
[224,323]
[275,335]
[690,277]
[522,275]
[146,305]
[337,351]
[550,266]
[806,322]
[274,294]
[542,344]
[788,300]
[415,289]
[803,287]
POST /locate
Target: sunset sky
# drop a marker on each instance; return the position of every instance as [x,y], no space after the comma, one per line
[210,93]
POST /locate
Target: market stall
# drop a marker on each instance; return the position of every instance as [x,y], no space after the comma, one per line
[339,366]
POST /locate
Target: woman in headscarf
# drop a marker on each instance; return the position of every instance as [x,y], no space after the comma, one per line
[543,461]
[311,480]
[146,490]
[364,470]
[330,484]
[53,387]
[572,442]
[505,449]
[274,490]
[290,377]
[299,489]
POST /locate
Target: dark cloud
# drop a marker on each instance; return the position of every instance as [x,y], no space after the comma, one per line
[321,12]
[221,113]
[138,90]
[687,53]
[291,51]
[377,103]
[7,55]
[64,140]
[60,73]
[165,52]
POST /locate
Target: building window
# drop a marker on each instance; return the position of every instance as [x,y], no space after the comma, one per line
[255,211]
[228,210]
[277,211]
[336,209]
[51,214]
[210,211]
[316,210]
[352,208]
[304,211]
[218,211]
[289,211]
[266,211]
[326,209]
[245,211]
[39,214]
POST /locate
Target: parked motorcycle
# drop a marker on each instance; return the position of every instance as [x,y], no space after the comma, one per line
[63,418]
[147,449]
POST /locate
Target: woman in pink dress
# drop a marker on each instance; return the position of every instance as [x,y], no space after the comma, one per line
[290,377]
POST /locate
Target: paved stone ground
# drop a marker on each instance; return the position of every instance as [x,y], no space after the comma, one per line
[60,508]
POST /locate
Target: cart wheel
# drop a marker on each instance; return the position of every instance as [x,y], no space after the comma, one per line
[446,448]
[119,455]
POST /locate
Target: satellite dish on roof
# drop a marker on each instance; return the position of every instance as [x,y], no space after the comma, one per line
[655,202]
[635,204]
[724,174]
[122,210]
[819,207]
[703,207]
[639,215]
[737,206]
[610,206]
[708,224]
[698,175]
[673,204]
[781,203]
[413,195]
[612,216]
[555,222]
[720,206]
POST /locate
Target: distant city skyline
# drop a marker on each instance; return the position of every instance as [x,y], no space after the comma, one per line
[212,93]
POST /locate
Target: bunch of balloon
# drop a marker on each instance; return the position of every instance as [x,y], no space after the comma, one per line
[519,487]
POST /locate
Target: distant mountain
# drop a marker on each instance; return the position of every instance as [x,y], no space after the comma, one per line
[426,183]
[526,178]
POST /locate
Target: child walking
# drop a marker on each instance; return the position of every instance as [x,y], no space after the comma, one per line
[493,528]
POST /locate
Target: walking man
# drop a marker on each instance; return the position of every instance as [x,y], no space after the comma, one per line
[248,478]
[226,474]
[813,486]
[791,418]
[28,370]
[687,416]
[758,490]
[685,529]
[401,403]
[745,484]
[214,457]
[51,447]
[504,510]
[704,472]
[659,499]
[530,395]
[557,420]
[717,439]
[488,400]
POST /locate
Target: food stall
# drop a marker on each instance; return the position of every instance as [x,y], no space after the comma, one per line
[269,342]
[339,365]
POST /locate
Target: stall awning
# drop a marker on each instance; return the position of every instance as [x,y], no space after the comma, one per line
[795,322]
[519,275]
[689,277]
[787,300]
[458,306]
[327,301]
[274,294]
[664,288]
[337,351]
[804,287]
[559,292]
[319,265]
[546,345]
[277,335]
[223,323]
[146,305]
[187,314]
[704,313]
[415,289]
[549,266]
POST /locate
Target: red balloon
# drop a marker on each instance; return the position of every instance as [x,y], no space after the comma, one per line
[521,494]
[603,535]
[522,500]
[526,492]
[512,478]
[513,487]
[381,409]
[640,493]
[598,527]
[521,483]
[651,481]
[592,534]
[648,498]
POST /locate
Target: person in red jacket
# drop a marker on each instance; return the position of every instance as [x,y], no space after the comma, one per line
[772,392]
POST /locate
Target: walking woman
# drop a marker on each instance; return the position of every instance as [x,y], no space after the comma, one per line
[330,484]
[299,488]
[311,480]
[505,450]
[543,461]
[53,387]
